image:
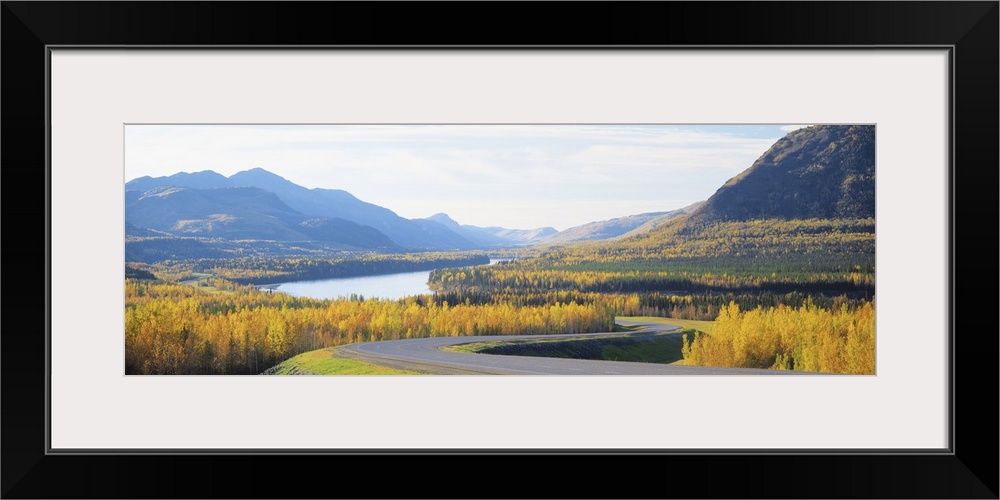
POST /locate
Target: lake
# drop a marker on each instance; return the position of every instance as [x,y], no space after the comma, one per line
[383,286]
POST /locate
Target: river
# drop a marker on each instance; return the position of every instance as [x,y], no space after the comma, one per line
[382,286]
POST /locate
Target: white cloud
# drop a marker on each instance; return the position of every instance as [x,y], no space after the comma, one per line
[518,176]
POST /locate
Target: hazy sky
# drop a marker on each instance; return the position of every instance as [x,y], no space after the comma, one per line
[515,176]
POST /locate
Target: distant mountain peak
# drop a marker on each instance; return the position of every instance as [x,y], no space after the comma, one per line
[258,174]
[259,170]
[205,179]
[618,227]
[443,218]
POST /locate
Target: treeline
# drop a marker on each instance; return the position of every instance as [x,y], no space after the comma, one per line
[521,279]
[817,257]
[797,266]
[265,270]
[139,274]
[755,239]
[808,338]
[665,305]
[152,247]
[178,329]
[158,248]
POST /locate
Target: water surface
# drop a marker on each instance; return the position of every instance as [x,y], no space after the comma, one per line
[384,286]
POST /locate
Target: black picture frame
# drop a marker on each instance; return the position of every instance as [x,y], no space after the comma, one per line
[969,470]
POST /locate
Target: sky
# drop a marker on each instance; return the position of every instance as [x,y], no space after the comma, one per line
[514,176]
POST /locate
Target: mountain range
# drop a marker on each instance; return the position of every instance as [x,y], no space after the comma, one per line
[492,236]
[823,171]
[619,227]
[325,206]
[259,205]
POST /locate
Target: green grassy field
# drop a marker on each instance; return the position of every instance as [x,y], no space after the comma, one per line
[658,350]
[704,326]
[322,362]
[654,348]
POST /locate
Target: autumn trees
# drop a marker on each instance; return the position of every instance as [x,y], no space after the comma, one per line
[808,338]
[177,329]
[787,294]
[262,270]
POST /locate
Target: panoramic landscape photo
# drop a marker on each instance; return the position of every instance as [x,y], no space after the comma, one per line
[499,249]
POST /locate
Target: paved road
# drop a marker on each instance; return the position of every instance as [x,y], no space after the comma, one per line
[426,355]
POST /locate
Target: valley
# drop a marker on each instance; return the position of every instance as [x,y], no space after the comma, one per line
[776,269]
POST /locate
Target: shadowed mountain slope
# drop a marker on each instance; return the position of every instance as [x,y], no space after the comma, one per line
[822,172]
[240,214]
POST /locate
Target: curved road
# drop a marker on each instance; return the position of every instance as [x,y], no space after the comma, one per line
[426,355]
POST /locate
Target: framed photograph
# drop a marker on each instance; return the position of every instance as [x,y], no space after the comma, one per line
[124,95]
